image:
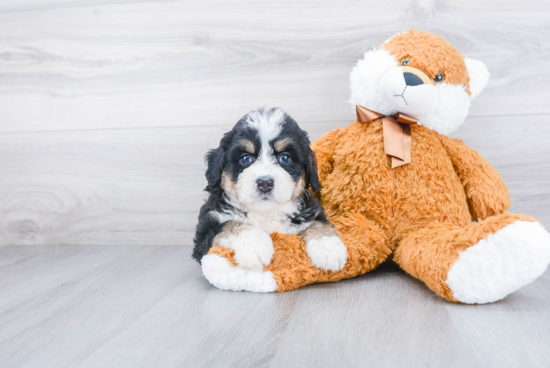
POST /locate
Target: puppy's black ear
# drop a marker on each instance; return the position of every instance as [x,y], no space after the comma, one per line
[310,162]
[312,177]
[216,160]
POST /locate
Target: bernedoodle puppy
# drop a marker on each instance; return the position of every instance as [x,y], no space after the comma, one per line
[258,181]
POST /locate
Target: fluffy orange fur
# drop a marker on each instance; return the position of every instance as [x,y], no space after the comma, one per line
[419,214]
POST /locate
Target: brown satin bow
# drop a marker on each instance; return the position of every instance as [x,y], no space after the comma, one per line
[397,134]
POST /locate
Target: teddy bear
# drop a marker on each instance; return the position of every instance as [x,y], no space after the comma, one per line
[397,188]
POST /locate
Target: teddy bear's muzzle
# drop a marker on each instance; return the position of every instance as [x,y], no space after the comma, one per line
[409,91]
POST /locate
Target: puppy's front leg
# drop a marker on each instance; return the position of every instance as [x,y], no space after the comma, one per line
[253,247]
[324,248]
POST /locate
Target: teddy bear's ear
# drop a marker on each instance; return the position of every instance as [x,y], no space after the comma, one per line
[479,76]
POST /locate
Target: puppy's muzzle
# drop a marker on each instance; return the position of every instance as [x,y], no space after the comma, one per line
[265,184]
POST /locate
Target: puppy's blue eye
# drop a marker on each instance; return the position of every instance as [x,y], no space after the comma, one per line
[284,158]
[245,159]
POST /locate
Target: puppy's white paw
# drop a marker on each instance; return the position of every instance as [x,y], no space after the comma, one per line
[222,275]
[253,249]
[327,253]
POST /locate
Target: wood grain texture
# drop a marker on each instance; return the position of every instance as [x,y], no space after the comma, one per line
[149,306]
[107,107]
[144,186]
[106,110]
[118,64]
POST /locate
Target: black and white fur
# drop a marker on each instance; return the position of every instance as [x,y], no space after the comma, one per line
[257,180]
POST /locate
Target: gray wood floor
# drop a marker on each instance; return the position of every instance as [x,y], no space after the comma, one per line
[106,110]
[130,306]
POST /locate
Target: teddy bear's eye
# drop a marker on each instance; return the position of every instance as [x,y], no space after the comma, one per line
[439,77]
[405,61]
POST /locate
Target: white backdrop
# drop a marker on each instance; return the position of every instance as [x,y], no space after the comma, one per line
[107,107]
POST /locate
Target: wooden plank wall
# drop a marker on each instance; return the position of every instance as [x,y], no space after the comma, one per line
[108,106]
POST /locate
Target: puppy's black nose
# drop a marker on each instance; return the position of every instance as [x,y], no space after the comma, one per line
[412,80]
[265,184]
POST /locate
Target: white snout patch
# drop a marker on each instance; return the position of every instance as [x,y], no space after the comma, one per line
[254,200]
[253,248]
[416,101]
[327,253]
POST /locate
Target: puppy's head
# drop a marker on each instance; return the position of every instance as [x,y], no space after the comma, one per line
[264,162]
[419,74]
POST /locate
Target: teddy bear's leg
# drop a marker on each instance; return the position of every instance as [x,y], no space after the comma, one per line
[479,263]
[368,243]
[367,247]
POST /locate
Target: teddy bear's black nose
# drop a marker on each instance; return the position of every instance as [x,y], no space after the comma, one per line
[412,80]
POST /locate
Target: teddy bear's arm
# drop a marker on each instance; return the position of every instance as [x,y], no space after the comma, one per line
[324,148]
[487,194]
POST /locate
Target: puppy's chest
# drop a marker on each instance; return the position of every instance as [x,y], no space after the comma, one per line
[274,222]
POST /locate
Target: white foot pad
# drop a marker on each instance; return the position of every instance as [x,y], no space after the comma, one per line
[500,264]
[219,272]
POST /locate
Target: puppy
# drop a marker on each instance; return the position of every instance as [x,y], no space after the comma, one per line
[257,180]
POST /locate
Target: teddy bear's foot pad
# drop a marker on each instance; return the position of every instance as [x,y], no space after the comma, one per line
[219,272]
[502,263]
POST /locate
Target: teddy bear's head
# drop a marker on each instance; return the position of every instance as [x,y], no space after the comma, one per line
[421,75]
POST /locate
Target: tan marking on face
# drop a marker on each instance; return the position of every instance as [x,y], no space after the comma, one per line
[300,187]
[282,144]
[228,185]
[247,145]
[317,230]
